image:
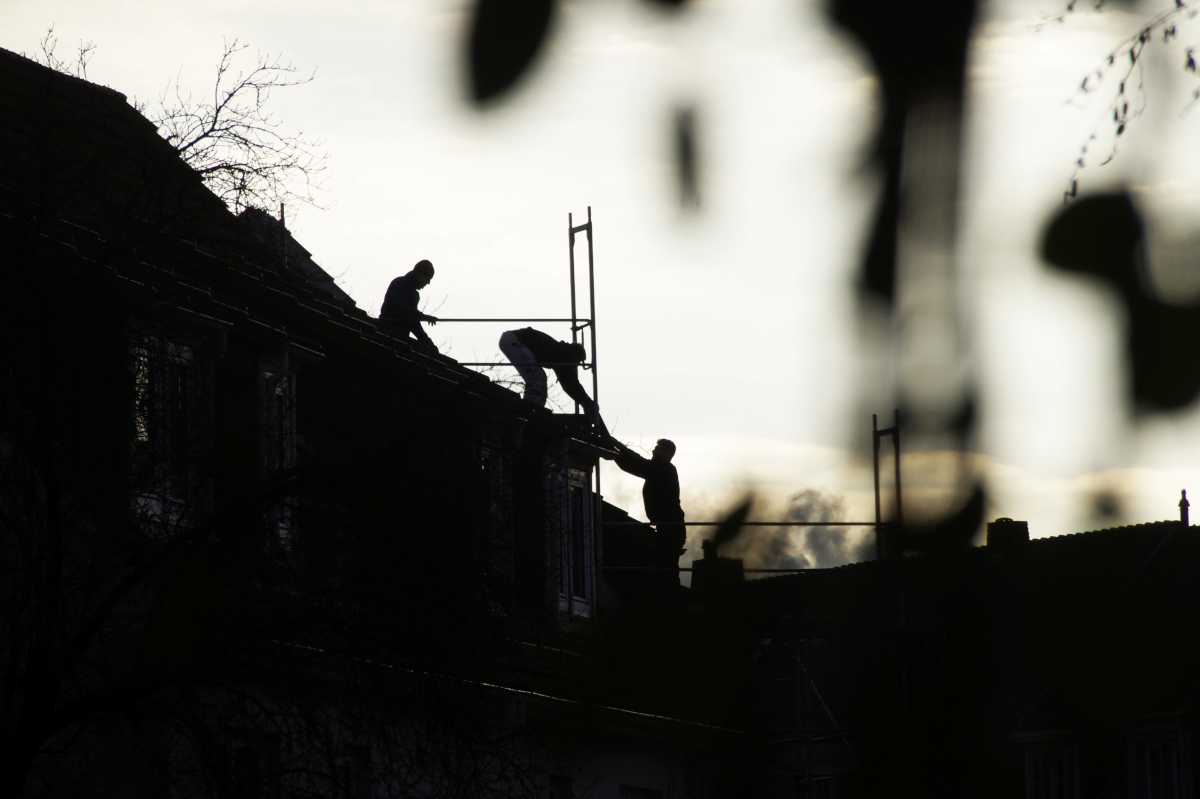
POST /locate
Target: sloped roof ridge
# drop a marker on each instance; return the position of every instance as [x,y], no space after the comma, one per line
[1120,527]
[1145,526]
[30,63]
[234,261]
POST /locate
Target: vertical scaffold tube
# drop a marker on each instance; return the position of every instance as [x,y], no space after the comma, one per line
[598,560]
[896,446]
[571,258]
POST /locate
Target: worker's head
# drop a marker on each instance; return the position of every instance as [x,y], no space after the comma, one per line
[664,450]
[423,272]
[577,353]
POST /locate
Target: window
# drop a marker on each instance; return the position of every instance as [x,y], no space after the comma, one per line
[247,772]
[816,786]
[352,773]
[629,792]
[575,542]
[254,765]
[279,449]
[1052,772]
[580,527]
[495,488]
[279,411]
[1158,767]
[164,427]
[560,787]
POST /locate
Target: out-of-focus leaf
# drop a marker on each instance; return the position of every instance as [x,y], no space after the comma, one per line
[731,525]
[506,37]
[915,46]
[687,158]
[952,533]
[1103,236]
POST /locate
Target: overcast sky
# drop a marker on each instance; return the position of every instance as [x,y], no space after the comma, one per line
[732,330]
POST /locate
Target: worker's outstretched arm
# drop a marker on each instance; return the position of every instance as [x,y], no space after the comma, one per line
[421,335]
[569,380]
[629,461]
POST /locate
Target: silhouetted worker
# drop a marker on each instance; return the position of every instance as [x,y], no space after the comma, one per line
[529,349]
[660,494]
[400,304]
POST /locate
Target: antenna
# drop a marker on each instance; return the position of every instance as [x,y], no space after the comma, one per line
[282,237]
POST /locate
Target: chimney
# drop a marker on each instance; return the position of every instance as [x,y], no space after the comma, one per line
[1183,507]
[715,575]
[1005,533]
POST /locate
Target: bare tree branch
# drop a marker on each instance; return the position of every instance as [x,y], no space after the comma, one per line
[47,57]
[236,145]
[234,142]
[1129,101]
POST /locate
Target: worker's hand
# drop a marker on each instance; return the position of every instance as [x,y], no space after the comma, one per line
[433,320]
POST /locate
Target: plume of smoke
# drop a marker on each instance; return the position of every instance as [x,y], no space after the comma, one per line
[824,546]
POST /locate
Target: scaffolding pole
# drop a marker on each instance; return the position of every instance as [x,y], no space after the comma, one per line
[576,327]
[514,365]
[883,544]
[748,524]
[581,322]
[690,569]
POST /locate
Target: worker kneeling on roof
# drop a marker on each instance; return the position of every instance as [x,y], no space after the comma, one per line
[532,351]
[400,310]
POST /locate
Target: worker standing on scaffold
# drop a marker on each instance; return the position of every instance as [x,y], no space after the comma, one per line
[660,497]
[528,349]
[400,310]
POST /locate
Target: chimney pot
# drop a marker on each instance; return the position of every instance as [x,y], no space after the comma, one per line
[1004,533]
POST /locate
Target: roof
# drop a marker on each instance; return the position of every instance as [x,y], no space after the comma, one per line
[1085,629]
[1035,572]
[109,200]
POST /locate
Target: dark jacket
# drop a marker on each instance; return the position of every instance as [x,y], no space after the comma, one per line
[660,492]
[400,308]
[548,349]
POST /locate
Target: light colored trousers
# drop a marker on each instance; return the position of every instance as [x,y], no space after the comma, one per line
[533,375]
